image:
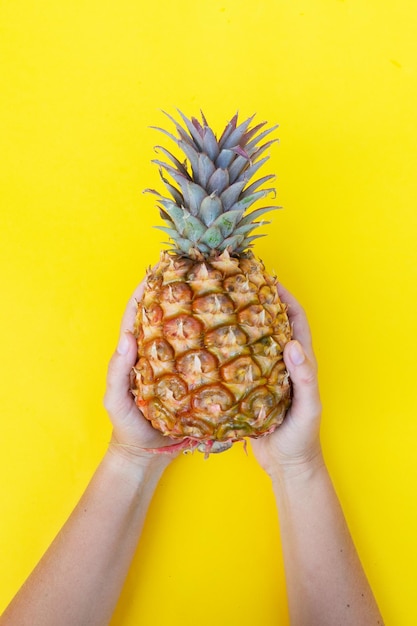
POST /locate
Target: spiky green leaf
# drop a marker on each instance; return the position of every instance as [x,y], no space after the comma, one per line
[212,237]
[193,197]
[185,245]
[175,213]
[230,127]
[251,132]
[225,158]
[218,182]
[212,191]
[202,248]
[177,164]
[210,145]
[210,209]
[232,242]
[250,217]
[165,132]
[257,151]
[177,195]
[237,168]
[194,229]
[180,130]
[170,231]
[235,137]
[198,139]
[249,240]
[191,153]
[227,222]
[179,177]
[247,174]
[250,147]
[247,243]
[248,228]
[247,201]
[230,195]
[206,169]
[257,183]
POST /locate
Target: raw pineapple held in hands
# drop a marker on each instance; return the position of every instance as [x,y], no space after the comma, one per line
[211,328]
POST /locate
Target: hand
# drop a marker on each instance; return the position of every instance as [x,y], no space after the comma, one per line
[132,433]
[296,443]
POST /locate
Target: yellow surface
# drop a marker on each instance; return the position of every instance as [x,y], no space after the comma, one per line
[80,84]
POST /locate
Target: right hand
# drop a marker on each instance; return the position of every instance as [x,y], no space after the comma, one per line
[295,444]
[132,434]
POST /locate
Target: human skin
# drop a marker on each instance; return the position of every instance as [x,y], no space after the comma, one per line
[80,577]
[326,583]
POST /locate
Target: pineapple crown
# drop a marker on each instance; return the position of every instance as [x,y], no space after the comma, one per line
[207,211]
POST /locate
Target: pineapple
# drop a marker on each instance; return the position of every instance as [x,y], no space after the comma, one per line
[211,328]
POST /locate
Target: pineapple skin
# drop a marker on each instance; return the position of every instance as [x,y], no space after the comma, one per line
[211,334]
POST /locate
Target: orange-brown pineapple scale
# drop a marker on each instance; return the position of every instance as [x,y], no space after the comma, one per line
[211,328]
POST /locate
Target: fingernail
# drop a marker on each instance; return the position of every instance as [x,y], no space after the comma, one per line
[123,345]
[296,353]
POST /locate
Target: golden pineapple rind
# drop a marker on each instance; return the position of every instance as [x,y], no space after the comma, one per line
[211,335]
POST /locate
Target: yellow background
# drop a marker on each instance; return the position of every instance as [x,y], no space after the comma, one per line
[80,84]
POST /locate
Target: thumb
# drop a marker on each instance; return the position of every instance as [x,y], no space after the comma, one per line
[117,399]
[303,374]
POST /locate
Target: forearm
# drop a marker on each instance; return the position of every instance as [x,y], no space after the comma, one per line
[79,579]
[326,584]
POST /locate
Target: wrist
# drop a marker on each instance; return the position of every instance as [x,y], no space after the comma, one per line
[134,462]
[298,469]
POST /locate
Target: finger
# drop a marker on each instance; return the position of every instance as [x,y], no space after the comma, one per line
[298,319]
[118,399]
[303,374]
[128,319]
[129,316]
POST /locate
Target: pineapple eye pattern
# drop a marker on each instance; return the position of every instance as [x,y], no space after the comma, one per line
[144,370]
[171,388]
[241,370]
[213,304]
[217,370]
[198,367]
[213,400]
[177,292]
[159,350]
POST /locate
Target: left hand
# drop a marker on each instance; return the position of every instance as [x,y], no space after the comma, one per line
[295,445]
